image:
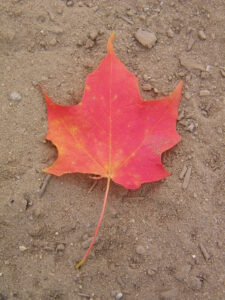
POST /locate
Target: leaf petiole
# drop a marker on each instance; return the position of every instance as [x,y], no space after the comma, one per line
[82,261]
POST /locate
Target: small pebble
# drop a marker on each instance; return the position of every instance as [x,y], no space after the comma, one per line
[191,64]
[101,31]
[190,44]
[1,274]
[146,87]
[56,29]
[53,42]
[119,296]
[208,67]
[187,95]
[15,96]
[130,13]
[183,172]
[89,44]
[195,283]
[191,127]
[146,38]
[202,35]
[222,71]
[93,35]
[146,77]
[151,272]
[34,83]
[60,247]
[204,113]
[43,44]
[204,93]
[37,212]
[182,274]
[180,115]
[22,248]
[140,250]
[187,178]
[181,74]
[188,77]
[80,43]
[170,33]
[204,252]
[142,17]
[69,3]
[204,75]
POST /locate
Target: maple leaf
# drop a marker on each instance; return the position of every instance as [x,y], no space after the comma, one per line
[113,132]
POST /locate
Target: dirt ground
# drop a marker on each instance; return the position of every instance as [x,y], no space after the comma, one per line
[163,241]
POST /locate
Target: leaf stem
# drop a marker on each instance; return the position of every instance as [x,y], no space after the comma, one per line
[82,261]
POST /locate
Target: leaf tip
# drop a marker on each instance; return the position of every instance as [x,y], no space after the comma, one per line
[181,84]
[110,44]
[179,87]
[177,92]
[47,98]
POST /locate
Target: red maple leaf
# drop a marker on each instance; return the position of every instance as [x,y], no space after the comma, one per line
[113,132]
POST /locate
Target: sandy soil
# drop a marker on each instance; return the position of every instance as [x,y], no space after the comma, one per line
[163,241]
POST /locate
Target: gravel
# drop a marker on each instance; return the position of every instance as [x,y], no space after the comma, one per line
[151,272]
[191,127]
[202,35]
[187,95]
[89,44]
[190,64]
[53,42]
[222,71]
[204,93]
[69,3]
[146,87]
[140,250]
[119,296]
[204,252]
[183,273]
[93,35]
[191,43]
[194,283]
[60,247]
[146,38]
[187,178]
[22,248]
[183,172]
[15,96]
[170,33]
